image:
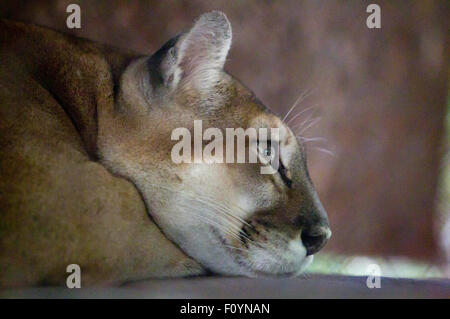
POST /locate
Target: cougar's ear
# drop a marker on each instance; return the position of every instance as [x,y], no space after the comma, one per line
[195,57]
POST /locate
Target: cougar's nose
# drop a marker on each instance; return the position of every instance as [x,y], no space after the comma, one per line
[315,238]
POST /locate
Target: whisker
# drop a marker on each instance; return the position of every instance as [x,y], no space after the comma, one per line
[324,150]
[233,229]
[292,107]
[225,210]
[311,139]
[214,223]
[300,99]
[207,200]
[300,125]
[313,122]
[229,224]
[300,113]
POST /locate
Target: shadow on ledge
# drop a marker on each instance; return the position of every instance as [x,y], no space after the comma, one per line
[312,286]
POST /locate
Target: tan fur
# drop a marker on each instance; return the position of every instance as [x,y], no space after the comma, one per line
[58,205]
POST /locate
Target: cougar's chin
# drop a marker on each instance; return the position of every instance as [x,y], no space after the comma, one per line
[277,269]
[300,269]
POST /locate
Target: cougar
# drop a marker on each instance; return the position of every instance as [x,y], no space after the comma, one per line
[87,176]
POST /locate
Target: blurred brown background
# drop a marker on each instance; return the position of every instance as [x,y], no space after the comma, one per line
[381,95]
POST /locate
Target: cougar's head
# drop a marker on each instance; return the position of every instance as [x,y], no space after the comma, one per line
[227,215]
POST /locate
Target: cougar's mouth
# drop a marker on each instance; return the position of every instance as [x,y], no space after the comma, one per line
[241,256]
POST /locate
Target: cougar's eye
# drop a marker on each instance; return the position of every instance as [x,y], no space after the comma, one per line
[267,151]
